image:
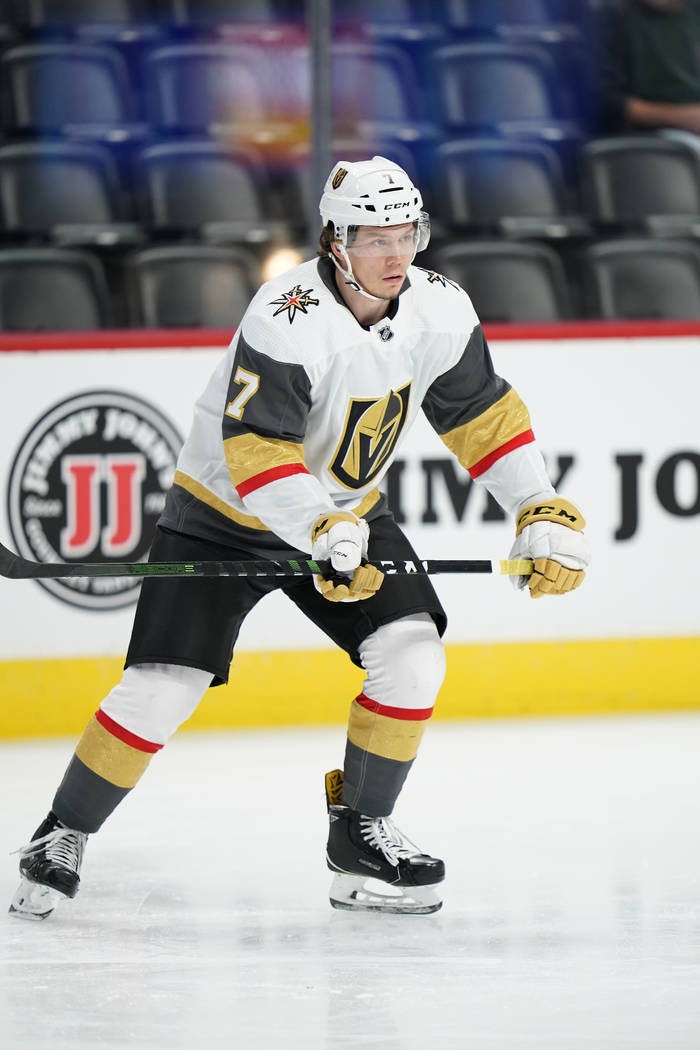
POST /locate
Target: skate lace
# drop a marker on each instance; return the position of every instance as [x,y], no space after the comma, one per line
[63,846]
[382,833]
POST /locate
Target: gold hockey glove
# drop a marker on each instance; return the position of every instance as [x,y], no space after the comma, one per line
[342,539]
[550,532]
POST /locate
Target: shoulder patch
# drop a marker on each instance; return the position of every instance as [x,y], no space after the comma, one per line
[294,301]
[437,278]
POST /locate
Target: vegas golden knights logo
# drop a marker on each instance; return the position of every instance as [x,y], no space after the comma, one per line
[372,428]
[338,177]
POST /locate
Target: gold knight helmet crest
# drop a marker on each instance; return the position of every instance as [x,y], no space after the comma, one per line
[338,177]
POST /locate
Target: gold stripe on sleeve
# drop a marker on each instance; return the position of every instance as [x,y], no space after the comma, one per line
[249,454]
[110,758]
[503,421]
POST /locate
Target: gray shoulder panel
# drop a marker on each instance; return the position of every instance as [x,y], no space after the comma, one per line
[466,390]
[276,407]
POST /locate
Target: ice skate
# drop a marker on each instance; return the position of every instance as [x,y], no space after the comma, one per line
[376,867]
[50,869]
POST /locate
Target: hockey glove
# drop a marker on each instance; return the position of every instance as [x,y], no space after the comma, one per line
[342,538]
[550,533]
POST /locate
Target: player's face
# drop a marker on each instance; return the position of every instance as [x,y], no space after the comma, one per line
[380,257]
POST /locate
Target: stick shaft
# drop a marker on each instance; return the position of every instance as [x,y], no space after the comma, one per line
[12,566]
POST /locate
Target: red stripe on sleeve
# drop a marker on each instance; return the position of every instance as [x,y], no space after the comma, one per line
[483,465]
[407,714]
[273,474]
[124,735]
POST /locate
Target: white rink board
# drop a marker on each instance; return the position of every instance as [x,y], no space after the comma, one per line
[591,400]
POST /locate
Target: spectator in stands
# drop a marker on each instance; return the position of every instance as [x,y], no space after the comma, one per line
[649,68]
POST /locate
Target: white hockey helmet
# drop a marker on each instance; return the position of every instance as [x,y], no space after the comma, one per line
[374,192]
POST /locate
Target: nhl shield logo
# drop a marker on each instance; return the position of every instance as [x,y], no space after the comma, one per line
[372,429]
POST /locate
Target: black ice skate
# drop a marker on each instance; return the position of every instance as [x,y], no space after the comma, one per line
[50,869]
[366,850]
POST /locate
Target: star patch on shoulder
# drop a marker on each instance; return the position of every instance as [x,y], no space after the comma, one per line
[437,278]
[294,300]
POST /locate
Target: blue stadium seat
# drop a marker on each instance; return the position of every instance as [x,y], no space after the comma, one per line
[197,88]
[497,88]
[70,89]
[513,186]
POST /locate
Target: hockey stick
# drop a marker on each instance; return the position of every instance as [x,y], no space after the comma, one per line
[13,567]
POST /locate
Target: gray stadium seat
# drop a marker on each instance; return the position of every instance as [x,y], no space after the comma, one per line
[647,182]
[52,289]
[508,281]
[67,191]
[190,286]
[642,278]
[221,193]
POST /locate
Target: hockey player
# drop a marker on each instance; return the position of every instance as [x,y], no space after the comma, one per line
[297,426]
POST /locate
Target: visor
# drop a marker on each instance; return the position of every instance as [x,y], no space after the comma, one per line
[390,241]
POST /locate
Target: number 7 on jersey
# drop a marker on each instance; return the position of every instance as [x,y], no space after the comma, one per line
[249,382]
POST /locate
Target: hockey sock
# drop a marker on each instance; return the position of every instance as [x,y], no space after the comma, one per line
[107,763]
[381,746]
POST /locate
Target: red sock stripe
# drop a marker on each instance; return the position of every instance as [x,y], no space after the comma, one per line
[124,735]
[488,461]
[273,474]
[407,714]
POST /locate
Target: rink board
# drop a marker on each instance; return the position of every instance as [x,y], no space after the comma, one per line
[614,409]
[314,687]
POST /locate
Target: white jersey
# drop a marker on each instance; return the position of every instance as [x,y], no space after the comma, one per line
[308,408]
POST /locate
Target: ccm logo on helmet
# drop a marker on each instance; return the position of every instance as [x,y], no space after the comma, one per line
[390,207]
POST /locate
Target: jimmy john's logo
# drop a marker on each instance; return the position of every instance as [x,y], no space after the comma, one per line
[88,483]
[372,428]
[292,301]
[338,177]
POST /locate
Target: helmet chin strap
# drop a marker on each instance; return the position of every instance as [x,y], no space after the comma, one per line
[349,276]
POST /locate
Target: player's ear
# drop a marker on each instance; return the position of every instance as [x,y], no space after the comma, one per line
[338,255]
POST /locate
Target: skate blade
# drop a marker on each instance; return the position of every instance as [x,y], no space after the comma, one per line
[358,893]
[34,901]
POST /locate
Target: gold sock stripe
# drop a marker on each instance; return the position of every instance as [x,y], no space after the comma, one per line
[396,738]
[110,758]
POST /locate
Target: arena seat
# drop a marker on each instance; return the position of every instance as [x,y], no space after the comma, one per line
[69,192]
[632,278]
[220,193]
[69,89]
[514,186]
[508,281]
[647,182]
[52,289]
[189,286]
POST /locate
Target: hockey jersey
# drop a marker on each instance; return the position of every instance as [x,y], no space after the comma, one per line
[308,408]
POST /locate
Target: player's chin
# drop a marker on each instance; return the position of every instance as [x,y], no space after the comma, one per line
[390,288]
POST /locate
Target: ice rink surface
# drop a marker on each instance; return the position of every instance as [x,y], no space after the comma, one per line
[571,915]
